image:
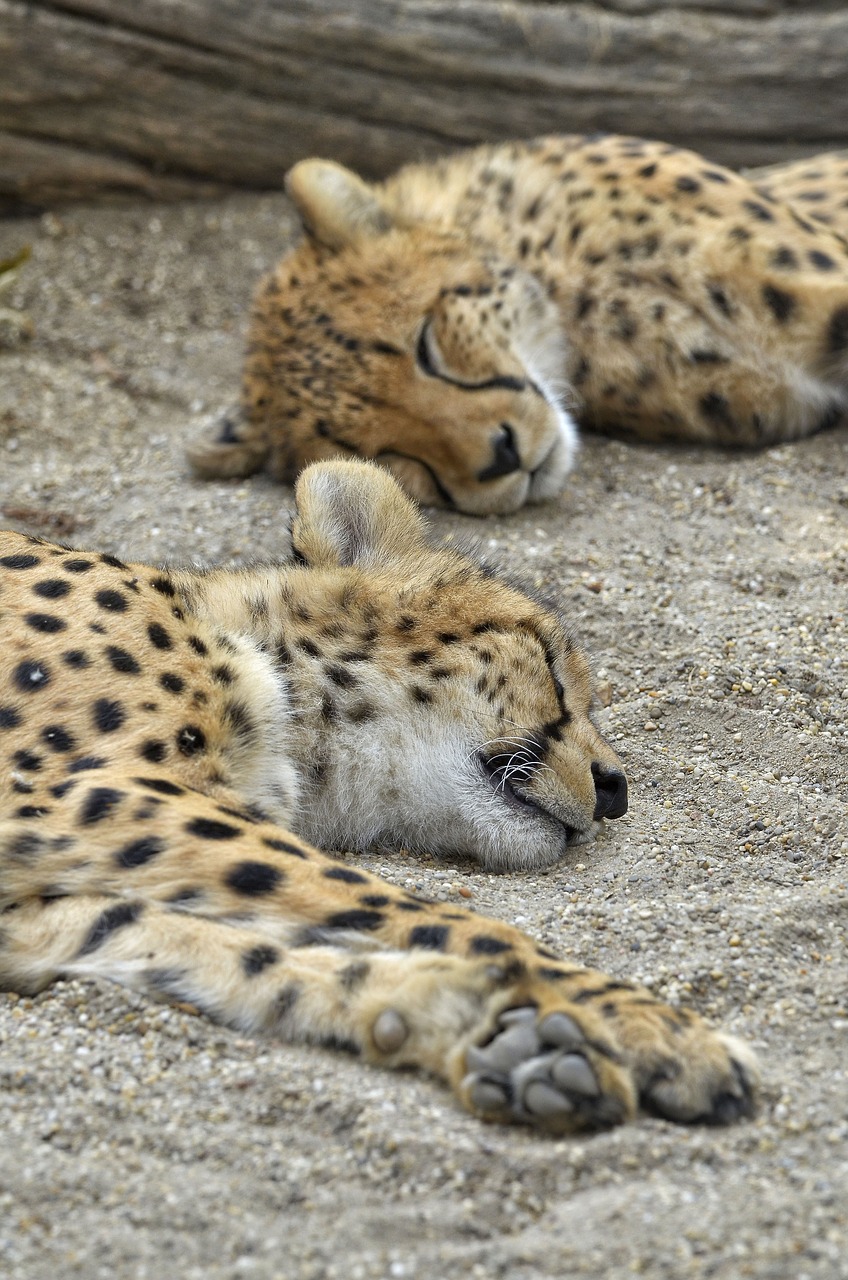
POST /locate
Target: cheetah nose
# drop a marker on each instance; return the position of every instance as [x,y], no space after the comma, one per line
[506,456]
[610,792]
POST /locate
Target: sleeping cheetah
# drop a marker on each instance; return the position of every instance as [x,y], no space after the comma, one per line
[174,739]
[454,320]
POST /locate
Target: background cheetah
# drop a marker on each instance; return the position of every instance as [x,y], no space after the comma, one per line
[166,733]
[456,320]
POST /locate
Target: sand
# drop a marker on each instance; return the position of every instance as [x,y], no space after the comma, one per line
[712,590]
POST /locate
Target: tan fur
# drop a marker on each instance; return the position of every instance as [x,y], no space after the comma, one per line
[450,321]
[171,738]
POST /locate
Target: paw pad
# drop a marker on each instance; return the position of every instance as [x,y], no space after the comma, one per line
[390,1031]
[538,1071]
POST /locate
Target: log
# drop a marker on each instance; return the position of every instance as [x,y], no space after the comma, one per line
[171,98]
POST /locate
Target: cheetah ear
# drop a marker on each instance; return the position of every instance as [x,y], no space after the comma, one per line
[335,205]
[354,513]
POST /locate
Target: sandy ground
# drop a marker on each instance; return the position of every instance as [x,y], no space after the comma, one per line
[140,1141]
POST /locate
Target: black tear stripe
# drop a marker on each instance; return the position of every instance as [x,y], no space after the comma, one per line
[107,923]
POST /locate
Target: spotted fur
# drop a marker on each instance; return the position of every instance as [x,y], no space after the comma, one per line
[456,320]
[174,743]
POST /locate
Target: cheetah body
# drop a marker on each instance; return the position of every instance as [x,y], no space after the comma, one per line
[173,740]
[455,321]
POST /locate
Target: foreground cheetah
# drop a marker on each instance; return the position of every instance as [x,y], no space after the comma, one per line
[453,320]
[172,740]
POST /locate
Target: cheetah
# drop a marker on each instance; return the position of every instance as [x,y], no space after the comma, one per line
[457,320]
[177,741]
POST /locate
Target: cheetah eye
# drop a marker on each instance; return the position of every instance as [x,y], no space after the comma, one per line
[427,356]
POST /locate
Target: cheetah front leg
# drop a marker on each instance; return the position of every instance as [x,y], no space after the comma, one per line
[478,1025]
[202,858]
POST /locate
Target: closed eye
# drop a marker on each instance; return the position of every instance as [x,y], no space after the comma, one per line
[426,356]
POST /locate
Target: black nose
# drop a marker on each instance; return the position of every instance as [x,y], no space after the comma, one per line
[610,792]
[506,458]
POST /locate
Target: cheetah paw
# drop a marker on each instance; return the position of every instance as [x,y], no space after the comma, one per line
[540,1069]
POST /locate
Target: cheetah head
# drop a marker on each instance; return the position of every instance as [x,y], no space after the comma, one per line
[439,708]
[409,344]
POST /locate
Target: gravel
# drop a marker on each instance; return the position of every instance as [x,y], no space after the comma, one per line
[712,589]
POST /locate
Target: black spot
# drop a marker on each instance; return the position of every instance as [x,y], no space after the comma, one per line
[223,674]
[47,623]
[821,261]
[62,788]
[252,879]
[10,718]
[76,659]
[77,566]
[163,785]
[163,586]
[716,408]
[286,1001]
[122,661]
[341,676]
[258,958]
[431,936]
[421,695]
[159,636]
[779,302]
[30,676]
[105,558]
[31,811]
[837,331]
[109,715]
[87,762]
[345,873]
[699,356]
[352,976]
[153,750]
[690,185]
[647,171]
[784,259]
[409,906]
[198,646]
[758,211]
[714,175]
[111,601]
[58,738]
[19,561]
[354,919]
[308,647]
[173,683]
[52,588]
[191,740]
[210,829]
[138,852]
[485,945]
[99,803]
[185,895]
[377,900]
[284,846]
[28,761]
[113,918]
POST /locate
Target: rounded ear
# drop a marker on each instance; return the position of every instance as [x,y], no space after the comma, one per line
[353,513]
[335,205]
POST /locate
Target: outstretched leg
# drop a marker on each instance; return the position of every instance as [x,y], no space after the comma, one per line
[245,886]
